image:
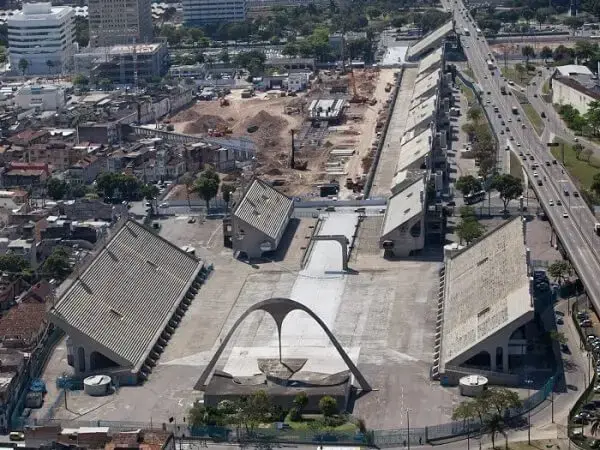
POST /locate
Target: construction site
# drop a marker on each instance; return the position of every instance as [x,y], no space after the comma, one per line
[326,135]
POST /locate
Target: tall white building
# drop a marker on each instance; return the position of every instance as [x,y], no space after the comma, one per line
[202,12]
[44,36]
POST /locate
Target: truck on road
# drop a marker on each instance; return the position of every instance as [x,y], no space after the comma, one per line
[515,110]
[597,228]
[503,90]
[490,64]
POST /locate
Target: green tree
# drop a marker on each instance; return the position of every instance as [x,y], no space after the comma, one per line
[509,188]
[300,402]
[118,186]
[558,336]
[586,154]
[574,23]
[207,185]
[23,65]
[328,406]
[226,190]
[187,179]
[57,265]
[224,56]
[592,116]
[469,230]
[14,265]
[56,188]
[528,52]
[521,70]
[78,190]
[468,184]
[290,49]
[149,191]
[80,80]
[541,16]
[577,148]
[560,270]
[474,114]
[546,53]
[595,186]
[494,424]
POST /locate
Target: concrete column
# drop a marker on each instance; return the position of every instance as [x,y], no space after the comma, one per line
[493,359]
[505,359]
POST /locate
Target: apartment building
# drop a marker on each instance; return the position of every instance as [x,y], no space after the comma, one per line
[202,12]
[116,22]
[44,36]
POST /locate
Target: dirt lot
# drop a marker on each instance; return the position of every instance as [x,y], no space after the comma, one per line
[276,116]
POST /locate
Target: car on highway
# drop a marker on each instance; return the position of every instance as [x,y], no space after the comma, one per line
[512,138]
[558,203]
[535,174]
[560,321]
[575,194]
[535,95]
[539,182]
[501,131]
[547,163]
[551,203]
[500,117]
[566,216]
[543,115]
[509,119]
[503,123]
[518,119]
[531,157]
[553,161]
[507,129]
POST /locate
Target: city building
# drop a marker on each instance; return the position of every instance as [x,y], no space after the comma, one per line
[117,63]
[44,36]
[119,22]
[574,85]
[47,97]
[202,12]
[259,220]
[25,174]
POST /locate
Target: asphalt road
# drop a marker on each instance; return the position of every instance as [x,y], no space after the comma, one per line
[572,221]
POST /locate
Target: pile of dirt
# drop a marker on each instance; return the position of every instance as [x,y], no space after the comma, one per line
[269,129]
[202,123]
[186,115]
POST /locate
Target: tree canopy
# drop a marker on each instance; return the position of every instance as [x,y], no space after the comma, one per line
[207,185]
[508,186]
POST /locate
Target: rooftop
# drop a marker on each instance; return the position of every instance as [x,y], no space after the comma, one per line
[583,84]
[264,208]
[414,150]
[421,112]
[430,61]
[403,206]
[430,40]
[426,84]
[127,294]
[487,288]
[573,69]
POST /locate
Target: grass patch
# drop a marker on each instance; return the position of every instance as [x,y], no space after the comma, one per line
[515,166]
[546,87]
[521,79]
[467,92]
[582,171]
[534,118]
[310,422]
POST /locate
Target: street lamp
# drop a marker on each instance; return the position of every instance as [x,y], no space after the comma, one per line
[528,382]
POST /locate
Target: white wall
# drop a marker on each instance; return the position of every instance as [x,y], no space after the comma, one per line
[566,95]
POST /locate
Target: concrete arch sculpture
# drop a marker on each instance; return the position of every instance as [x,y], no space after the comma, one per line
[278,308]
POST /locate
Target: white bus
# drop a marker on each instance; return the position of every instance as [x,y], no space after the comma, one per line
[467,33]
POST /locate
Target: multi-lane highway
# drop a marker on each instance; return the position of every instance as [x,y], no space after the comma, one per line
[572,221]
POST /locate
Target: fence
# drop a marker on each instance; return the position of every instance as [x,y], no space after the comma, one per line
[379,438]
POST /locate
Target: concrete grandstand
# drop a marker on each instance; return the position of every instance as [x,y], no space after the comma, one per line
[486,297]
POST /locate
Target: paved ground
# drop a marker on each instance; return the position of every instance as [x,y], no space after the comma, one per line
[384,316]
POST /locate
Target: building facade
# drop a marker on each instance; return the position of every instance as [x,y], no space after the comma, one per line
[44,36]
[116,22]
[41,97]
[202,12]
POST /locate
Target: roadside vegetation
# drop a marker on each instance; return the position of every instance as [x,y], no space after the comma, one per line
[581,165]
[534,117]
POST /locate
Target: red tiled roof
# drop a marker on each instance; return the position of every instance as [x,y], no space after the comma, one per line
[23,321]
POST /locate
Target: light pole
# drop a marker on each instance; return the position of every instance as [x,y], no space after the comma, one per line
[528,382]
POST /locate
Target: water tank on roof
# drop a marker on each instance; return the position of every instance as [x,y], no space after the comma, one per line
[472,385]
[97,385]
